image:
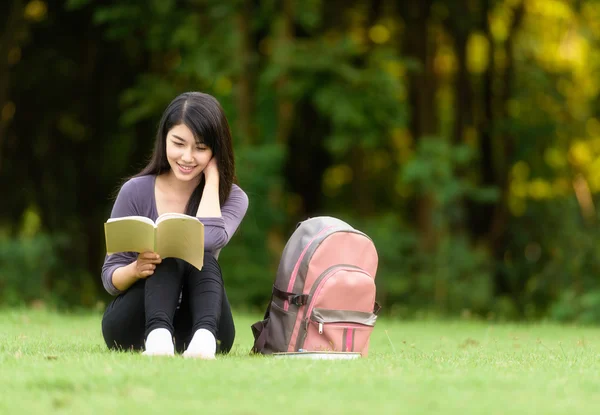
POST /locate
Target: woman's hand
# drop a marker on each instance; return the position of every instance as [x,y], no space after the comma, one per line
[211,170]
[146,264]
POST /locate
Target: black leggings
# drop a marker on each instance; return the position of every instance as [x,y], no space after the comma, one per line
[154,303]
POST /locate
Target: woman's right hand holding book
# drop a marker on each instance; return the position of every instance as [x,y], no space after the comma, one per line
[146,264]
[142,267]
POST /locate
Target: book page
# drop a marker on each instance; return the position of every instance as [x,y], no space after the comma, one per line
[181,236]
[138,218]
[172,215]
[130,234]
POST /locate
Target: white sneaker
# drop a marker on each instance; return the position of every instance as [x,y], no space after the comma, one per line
[159,343]
[202,346]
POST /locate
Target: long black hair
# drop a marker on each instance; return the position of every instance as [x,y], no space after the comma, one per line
[205,117]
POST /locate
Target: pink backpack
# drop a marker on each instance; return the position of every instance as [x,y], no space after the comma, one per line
[324,296]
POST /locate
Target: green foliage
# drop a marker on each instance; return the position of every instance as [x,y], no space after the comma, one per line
[76,4]
[554,267]
[435,170]
[458,162]
[362,105]
[455,275]
[25,267]
[247,262]
[33,270]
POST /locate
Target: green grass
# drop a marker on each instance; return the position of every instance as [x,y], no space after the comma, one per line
[53,363]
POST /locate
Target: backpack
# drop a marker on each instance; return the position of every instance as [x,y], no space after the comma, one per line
[323,298]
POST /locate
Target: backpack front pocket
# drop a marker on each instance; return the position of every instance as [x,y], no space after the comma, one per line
[339,312]
[338,330]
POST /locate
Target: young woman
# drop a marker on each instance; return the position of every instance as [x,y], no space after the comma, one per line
[166,304]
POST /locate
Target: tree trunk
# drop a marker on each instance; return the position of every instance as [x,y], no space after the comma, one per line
[463,109]
[14,23]
[245,83]
[500,213]
[480,214]
[424,121]
[498,233]
[482,218]
[285,105]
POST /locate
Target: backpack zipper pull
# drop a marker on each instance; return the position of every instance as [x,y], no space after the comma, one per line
[320,328]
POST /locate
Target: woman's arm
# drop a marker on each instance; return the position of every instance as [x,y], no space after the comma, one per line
[142,267]
[210,206]
[124,276]
[120,270]
[220,222]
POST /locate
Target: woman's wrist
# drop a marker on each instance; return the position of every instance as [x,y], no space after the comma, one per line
[211,177]
[133,270]
[209,203]
[125,277]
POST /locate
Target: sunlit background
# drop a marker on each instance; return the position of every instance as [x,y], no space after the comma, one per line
[463,136]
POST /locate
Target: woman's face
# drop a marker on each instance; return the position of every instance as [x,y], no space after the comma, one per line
[186,157]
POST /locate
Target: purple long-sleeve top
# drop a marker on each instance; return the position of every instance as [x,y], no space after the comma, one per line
[136,198]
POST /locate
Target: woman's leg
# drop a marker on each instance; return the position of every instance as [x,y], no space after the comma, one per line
[183,326]
[163,289]
[205,314]
[124,320]
[226,332]
[146,311]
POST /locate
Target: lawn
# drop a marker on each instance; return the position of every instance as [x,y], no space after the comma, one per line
[51,363]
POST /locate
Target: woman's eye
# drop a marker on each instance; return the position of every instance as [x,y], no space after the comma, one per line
[177,144]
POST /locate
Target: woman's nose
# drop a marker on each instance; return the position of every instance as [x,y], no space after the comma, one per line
[187,155]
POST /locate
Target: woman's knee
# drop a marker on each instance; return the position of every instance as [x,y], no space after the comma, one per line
[171,265]
[210,265]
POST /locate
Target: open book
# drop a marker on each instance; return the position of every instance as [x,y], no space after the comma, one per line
[172,235]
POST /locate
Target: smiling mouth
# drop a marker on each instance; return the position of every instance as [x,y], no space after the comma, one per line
[186,168]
